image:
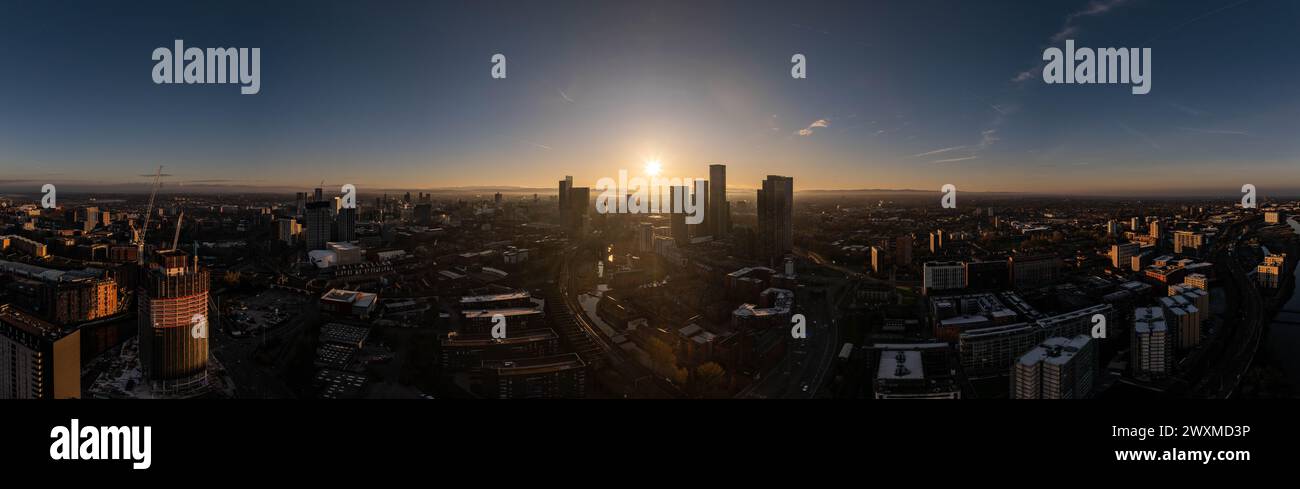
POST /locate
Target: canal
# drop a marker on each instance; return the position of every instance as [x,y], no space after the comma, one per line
[1283,339]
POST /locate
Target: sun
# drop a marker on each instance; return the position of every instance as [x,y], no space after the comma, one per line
[653,167]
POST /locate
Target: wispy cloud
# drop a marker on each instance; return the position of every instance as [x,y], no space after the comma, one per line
[939,151]
[988,137]
[1026,75]
[1228,132]
[953,160]
[819,123]
[564,96]
[1069,29]
[1094,8]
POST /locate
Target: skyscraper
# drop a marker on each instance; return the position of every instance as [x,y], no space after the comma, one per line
[776,217]
[702,200]
[719,215]
[319,224]
[565,185]
[346,223]
[677,220]
[579,203]
[172,329]
[1150,343]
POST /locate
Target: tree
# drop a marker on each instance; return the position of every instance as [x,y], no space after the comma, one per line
[662,356]
[708,377]
[680,375]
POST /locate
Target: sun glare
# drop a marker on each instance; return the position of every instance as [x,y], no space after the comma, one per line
[652,168]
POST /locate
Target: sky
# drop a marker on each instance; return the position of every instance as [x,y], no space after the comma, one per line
[899,94]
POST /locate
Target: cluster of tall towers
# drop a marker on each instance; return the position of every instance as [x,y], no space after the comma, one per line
[328,220]
[775,205]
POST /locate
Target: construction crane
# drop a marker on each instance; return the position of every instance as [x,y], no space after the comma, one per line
[138,234]
[177,237]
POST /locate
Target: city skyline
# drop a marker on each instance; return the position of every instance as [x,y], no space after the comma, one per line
[412,105]
[401,205]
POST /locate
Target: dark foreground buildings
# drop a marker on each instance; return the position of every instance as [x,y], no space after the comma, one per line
[557,376]
[38,360]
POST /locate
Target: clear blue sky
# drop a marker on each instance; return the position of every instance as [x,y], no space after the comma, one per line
[912,94]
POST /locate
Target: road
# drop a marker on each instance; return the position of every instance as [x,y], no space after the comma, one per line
[802,373]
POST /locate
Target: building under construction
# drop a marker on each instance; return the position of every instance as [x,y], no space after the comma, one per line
[172,297]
